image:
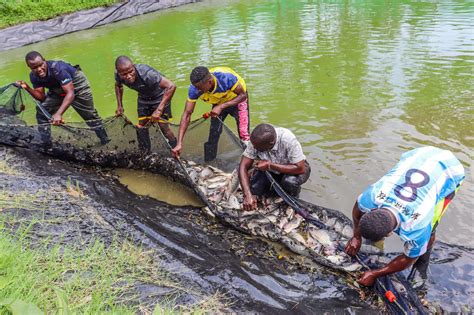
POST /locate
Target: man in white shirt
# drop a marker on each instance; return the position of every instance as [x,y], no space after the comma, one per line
[277,150]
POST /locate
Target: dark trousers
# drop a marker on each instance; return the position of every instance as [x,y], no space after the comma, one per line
[145,110]
[240,112]
[261,186]
[83,104]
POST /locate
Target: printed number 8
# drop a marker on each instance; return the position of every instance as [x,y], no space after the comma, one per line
[413,186]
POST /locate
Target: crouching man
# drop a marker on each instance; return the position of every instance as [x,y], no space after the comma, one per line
[409,200]
[276,150]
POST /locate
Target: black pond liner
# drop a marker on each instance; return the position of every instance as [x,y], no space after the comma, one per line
[33,32]
[79,142]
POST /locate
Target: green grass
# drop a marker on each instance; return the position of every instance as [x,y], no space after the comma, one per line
[93,279]
[14,12]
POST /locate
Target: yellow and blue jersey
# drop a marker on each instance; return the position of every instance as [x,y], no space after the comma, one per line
[225,82]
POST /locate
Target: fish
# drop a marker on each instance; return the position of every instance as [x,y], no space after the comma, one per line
[293,224]
[321,236]
[233,203]
[295,246]
[335,259]
[232,185]
[206,173]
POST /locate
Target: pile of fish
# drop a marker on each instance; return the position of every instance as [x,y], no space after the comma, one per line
[276,221]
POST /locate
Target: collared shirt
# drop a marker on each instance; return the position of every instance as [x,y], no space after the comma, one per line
[225,82]
[59,73]
[147,83]
[287,149]
[411,190]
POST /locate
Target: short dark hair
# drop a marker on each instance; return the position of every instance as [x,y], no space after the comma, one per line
[122,60]
[32,55]
[198,74]
[376,224]
[263,133]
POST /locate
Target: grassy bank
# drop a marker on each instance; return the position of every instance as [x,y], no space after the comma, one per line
[91,280]
[59,256]
[14,12]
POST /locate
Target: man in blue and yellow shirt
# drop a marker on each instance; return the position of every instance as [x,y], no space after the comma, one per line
[226,91]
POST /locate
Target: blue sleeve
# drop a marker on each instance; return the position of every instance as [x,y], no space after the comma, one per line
[193,93]
[62,75]
[418,243]
[34,81]
[230,81]
[366,200]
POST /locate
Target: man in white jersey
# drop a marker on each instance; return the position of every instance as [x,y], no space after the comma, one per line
[409,200]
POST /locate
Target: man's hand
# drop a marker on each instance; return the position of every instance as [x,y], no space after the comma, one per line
[156,116]
[353,246]
[250,202]
[216,111]
[57,119]
[119,111]
[176,151]
[22,83]
[368,278]
[263,165]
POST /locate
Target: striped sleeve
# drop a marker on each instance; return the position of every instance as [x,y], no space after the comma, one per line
[366,201]
[416,242]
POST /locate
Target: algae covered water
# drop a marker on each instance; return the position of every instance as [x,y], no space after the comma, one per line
[358,83]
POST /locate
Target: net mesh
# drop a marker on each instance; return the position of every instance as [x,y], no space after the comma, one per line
[147,148]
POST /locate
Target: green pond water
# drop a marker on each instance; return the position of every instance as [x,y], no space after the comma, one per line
[358,82]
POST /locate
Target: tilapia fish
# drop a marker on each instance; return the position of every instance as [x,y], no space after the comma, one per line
[275,220]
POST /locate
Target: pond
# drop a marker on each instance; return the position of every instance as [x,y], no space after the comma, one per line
[359,83]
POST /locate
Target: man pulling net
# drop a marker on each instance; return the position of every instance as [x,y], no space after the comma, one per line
[227,92]
[67,86]
[154,96]
[409,200]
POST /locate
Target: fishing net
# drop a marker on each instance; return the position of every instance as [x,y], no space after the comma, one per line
[288,220]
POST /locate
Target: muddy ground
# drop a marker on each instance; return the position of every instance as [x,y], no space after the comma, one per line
[255,275]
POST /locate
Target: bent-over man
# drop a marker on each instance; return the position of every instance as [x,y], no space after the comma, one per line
[67,86]
[409,200]
[277,150]
[226,91]
[154,95]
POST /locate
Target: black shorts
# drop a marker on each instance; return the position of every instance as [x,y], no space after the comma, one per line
[145,110]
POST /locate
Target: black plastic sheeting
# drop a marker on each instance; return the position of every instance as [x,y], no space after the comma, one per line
[32,32]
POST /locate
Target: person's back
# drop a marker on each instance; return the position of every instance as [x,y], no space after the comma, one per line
[409,200]
[226,80]
[413,188]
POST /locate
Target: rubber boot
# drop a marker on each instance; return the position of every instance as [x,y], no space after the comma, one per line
[421,265]
[102,135]
[173,142]
[210,151]
[143,136]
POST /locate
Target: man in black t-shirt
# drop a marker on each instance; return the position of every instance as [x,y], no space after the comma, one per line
[67,86]
[154,96]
